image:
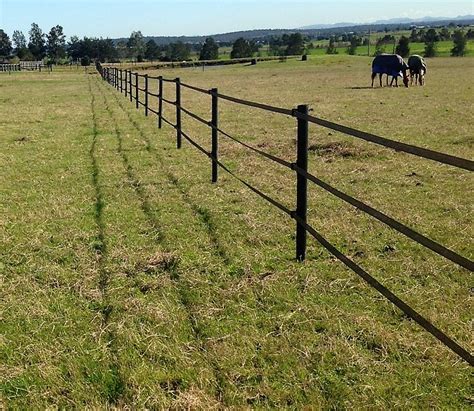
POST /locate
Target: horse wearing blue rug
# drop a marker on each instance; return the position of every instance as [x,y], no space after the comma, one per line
[391,65]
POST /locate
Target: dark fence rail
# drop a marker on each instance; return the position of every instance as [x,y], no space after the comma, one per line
[127,82]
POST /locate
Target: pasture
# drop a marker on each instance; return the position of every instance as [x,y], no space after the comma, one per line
[128,279]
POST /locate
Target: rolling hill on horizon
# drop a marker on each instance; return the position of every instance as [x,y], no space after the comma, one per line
[312,31]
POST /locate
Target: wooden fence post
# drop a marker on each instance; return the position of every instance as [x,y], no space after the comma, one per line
[215,134]
[178,113]
[130,93]
[301,184]
[160,100]
[146,95]
[126,83]
[137,97]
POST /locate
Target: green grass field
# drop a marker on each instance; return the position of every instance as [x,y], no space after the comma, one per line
[129,281]
[443,49]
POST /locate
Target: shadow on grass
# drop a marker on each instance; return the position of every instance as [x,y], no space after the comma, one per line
[184,290]
[114,383]
[201,212]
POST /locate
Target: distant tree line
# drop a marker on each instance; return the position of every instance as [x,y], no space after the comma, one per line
[430,37]
[40,45]
[53,46]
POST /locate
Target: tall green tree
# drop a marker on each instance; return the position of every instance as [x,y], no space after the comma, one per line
[460,43]
[403,47]
[296,45]
[21,49]
[18,40]
[413,36]
[331,49]
[56,44]
[136,45]
[351,50]
[152,50]
[122,49]
[445,34]
[241,49]
[37,43]
[74,47]
[431,38]
[209,50]
[5,44]
[178,51]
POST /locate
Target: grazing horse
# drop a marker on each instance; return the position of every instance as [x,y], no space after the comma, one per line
[391,65]
[417,67]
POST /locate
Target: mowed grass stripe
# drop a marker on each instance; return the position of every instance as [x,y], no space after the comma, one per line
[170,261]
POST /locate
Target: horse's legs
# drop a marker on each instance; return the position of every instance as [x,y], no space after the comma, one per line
[373,77]
[380,79]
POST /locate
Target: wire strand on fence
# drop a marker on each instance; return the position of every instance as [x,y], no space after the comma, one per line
[374,283]
[173,103]
[195,116]
[262,153]
[168,122]
[200,148]
[255,190]
[200,90]
[396,145]
[257,105]
[401,228]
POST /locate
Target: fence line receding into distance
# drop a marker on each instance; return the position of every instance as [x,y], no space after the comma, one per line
[127,82]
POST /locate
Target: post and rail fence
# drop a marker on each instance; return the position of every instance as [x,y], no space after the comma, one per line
[127,82]
[10,67]
[25,66]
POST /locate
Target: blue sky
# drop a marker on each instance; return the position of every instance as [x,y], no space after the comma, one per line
[117,18]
